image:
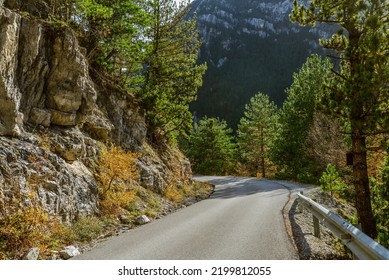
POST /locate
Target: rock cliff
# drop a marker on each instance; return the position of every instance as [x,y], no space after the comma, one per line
[54,118]
[249,46]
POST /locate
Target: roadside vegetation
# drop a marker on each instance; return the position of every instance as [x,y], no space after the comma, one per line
[149,50]
[336,109]
[332,130]
[24,224]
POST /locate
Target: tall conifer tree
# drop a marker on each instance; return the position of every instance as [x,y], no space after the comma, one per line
[172,75]
[359,91]
[296,118]
[256,131]
[210,147]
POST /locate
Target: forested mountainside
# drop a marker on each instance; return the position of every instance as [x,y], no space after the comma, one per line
[249,46]
[332,128]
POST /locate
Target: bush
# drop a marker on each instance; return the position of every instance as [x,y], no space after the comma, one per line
[23,222]
[87,228]
[116,170]
[380,203]
[173,194]
[331,181]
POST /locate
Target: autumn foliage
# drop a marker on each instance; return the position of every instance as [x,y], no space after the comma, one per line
[23,222]
[116,174]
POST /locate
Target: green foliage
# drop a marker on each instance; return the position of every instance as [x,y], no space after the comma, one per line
[113,33]
[152,50]
[331,182]
[87,228]
[210,147]
[255,133]
[359,90]
[296,118]
[253,63]
[173,76]
[380,203]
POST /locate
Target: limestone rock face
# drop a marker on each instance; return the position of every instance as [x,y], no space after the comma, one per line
[67,190]
[55,117]
[10,95]
[38,8]
[158,170]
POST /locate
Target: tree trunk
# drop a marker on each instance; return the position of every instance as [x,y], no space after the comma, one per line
[263,154]
[263,167]
[361,180]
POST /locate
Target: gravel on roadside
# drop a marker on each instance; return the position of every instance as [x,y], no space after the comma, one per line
[300,227]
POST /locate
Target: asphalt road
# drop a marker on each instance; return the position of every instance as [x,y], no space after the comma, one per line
[241,220]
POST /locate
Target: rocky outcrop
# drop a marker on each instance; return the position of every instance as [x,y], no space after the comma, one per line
[159,170]
[55,117]
[64,189]
[38,8]
[10,95]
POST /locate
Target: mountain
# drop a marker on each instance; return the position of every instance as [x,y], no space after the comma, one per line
[249,46]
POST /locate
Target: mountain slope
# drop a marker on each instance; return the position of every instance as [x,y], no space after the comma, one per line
[249,46]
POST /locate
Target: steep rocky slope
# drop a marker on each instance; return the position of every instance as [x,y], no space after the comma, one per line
[55,118]
[249,46]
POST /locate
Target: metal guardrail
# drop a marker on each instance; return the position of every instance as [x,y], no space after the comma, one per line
[363,247]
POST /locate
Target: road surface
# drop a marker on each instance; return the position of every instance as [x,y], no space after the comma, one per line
[241,220]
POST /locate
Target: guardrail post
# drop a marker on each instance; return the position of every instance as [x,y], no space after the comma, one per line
[316,227]
[300,204]
[362,246]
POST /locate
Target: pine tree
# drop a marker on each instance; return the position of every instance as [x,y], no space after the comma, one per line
[113,32]
[359,91]
[210,147]
[172,75]
[256,131]
[296,119]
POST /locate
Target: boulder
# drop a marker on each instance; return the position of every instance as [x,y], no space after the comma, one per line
[32,254]
[69,252]
[141,220]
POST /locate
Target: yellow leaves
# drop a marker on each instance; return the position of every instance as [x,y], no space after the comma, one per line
[116,172]
[23,224]
[116,199]
[173,194]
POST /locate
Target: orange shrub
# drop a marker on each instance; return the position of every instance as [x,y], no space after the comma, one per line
[173,194]
[23,223]
[116,172]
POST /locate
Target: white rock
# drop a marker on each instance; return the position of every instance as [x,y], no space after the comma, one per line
[32,254]
[69,252]
[141,220]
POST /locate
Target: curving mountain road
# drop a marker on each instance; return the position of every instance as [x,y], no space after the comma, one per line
[241,220]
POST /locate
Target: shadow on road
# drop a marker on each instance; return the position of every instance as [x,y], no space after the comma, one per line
[232,187]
